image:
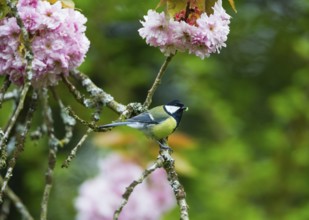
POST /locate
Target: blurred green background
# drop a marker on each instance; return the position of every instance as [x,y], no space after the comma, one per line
[248,116]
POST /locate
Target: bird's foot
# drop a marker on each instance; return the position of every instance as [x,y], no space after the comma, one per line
[164,146]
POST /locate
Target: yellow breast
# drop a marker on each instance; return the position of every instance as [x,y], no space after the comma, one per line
[164,129]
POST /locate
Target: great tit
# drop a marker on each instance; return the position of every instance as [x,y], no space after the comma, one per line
[157,123]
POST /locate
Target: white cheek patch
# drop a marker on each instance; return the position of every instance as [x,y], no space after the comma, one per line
[171,109]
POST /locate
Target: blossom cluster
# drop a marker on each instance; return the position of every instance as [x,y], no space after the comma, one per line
[101,196]
[58,42]
[200,35]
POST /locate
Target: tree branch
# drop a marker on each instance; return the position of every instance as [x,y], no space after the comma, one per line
[166,161]
[6,84]
[28,56]
[20,206]
[67,120]
[76,94]
[19,108]
[52,155]
[157,81]
[131,187]
[86,123]
[98,93]
[179,191]
[5,209]
[20,143]
[73,152]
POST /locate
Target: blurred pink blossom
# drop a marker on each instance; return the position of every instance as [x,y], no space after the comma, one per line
[101,196]
[201,37]
[58,42]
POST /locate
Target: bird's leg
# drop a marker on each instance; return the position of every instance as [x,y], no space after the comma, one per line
[163,145]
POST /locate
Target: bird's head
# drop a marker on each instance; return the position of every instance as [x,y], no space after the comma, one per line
[175,108]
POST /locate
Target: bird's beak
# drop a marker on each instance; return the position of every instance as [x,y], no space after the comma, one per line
[185,108]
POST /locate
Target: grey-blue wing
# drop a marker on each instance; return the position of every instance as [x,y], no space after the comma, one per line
[139,121]
[146,118]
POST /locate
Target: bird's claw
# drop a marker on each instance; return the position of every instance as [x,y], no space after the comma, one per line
[164,146]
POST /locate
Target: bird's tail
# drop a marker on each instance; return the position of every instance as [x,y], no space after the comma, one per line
[115,124]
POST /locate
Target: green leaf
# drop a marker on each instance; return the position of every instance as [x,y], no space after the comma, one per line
[4,9]
[232,3]
[209,4]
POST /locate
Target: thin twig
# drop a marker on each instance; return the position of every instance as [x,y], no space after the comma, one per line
[77,95]
[20,143]
[5,209]
[157,81]
[6,84]
[131,187]
[68,121]
[91,127]
[98,93]
[19,108]
[52,155]
[20,206]
[38,133]
[96,115]
[28,56]
[49,123]
[86,123]
[73,152]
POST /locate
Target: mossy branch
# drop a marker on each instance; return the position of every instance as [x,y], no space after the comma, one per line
[131,187]
[165,161]
[20,143]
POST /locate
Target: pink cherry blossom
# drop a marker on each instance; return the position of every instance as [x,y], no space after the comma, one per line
[31,18]
[200,37]
[28,3]
[156,29]
[58,42]
[52,15]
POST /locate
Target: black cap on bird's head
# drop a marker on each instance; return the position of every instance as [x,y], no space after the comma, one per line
[175,108]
